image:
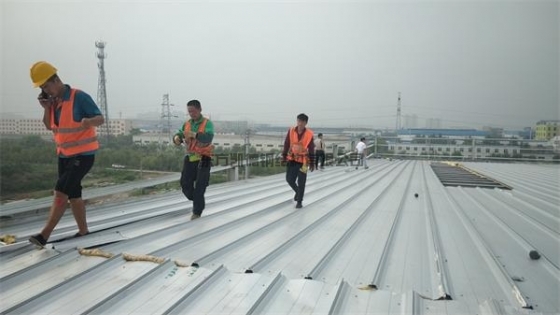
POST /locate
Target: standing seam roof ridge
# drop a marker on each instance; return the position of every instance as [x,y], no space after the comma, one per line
[280,248]
[527,246]
[342,288]
[113,298]
[520,180]
[383,258]
[516,205]
[229,246]
[172,247]
[262,212]
[368,210]
[444,291]
[195,291]
[164,251]
[5,281]
[34,300]
[551,214]
[271,290]
[493,263]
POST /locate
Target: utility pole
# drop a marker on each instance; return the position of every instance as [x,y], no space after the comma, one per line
[101,88]
[247,145]
[398,125]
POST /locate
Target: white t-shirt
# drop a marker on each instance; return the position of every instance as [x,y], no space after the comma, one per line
[360,147]
[318,144]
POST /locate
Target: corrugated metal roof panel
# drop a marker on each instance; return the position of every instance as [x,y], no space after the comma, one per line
[363,243]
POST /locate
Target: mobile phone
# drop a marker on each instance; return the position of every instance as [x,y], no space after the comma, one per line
[44,95]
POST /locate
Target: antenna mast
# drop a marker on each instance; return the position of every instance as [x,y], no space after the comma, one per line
[101,89]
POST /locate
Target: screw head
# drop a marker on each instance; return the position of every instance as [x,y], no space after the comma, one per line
[534,255]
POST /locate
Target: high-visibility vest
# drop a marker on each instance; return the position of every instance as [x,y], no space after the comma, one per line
[70,137]
[298,147]
[194,146]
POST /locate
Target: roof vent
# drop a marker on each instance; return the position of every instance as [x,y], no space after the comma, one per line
[455,174]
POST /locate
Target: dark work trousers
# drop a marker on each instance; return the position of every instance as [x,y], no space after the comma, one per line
[319,158]
[294,174]
[194,180]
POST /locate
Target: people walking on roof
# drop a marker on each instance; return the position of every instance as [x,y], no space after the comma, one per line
[73,116]
[319,152]
[361,149]
[299,153]
[197,134]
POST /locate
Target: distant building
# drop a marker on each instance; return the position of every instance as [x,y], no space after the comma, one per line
[494,132]
[555,143]
[36,127]
[547,129]
[262,143]
[445,133]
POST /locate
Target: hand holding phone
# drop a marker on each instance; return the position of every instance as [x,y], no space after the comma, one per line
[43,95]
[44,99]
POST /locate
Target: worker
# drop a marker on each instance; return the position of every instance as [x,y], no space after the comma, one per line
[196,134]
[319,152]
[72,115]
[299,153]
[361,150]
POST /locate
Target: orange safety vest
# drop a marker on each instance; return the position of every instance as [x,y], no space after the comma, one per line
[70,137]
[194,146]
[298,147]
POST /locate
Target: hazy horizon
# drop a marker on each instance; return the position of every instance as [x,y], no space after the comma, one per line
[466,63]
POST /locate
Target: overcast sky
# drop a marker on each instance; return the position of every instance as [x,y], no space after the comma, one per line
[467,63]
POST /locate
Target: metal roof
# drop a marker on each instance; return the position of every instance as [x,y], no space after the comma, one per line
[362,244]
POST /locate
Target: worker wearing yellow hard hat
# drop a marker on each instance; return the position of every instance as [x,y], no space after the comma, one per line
[72,115]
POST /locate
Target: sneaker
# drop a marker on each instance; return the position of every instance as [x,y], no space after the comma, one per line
[299,205]
[38,240]
[195,216]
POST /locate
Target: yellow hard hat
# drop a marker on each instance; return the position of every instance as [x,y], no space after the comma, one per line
[41,71]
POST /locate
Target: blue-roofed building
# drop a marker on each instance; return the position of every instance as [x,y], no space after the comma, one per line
[463,133]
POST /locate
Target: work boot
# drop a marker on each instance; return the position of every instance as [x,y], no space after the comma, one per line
[195,216]
[299,205]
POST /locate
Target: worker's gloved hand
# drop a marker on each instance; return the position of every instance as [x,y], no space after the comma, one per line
[191,134]
[283,160]
[177,140]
